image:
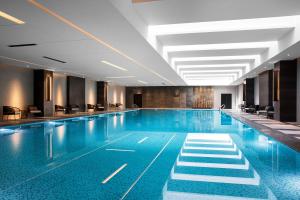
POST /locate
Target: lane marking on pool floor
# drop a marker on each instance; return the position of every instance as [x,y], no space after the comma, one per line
[125,150]
[143,140]
[114,173]
[146,169]
[65,163]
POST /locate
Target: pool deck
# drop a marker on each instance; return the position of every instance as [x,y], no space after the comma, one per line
[16,122]
[286,133]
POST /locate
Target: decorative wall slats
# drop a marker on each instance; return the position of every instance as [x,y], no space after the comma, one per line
[172,96]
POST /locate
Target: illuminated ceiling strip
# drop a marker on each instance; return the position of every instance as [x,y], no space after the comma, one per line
[238,74]
[213,78]
[116,77]
[11,18]
[223,26]
[181,68]
[218,71]
[209,83]
[231,76]
[211,66]
[93,37]
[186,77]
[210,76]
[243,57]
[228,79]
[214,58]
[224,46]
[142,82]
[113,65]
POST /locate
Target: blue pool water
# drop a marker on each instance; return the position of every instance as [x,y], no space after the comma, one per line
[146,154]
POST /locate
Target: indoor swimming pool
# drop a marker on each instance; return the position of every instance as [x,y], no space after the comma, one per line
[146,154]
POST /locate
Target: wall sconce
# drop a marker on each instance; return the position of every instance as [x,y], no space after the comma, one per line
[48,88]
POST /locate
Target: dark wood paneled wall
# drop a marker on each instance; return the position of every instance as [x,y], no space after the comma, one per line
[172,97]
[249,89]
[43,101]
[266,88]
[286,106]
[76,92]
[102,93]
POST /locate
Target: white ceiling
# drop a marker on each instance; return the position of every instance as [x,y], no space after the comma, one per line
[186,11]
[84,33]
[83,54]
[198,22]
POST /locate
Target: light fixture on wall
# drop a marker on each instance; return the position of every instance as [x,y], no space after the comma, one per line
[11,18]
[113,65]
[48,88]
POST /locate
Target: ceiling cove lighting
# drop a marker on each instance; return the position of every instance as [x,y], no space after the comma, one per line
[243,57]
[209,82]
[210,75]
[214,58]
[95,38]
[232,77]
[213,71]
[242,65]
[210,78]
[187,76]
[227,79]
[116,77]
[143,82]
[223,26]
[213,77]
[113,65]
[224,46]
[11,18]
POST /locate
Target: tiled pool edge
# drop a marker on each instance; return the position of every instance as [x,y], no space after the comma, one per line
[280,137]
[58,118]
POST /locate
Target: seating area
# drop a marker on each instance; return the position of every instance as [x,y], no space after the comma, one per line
[33,112]
[11,111]
[266,111]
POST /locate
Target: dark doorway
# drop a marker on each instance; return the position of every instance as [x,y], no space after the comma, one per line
[226,99]
[138,100]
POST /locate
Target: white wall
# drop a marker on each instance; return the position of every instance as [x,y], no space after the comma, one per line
[239,96]
[116,94]
[60,89]
[90,92]
[256,91]
[16,87]
[218,90]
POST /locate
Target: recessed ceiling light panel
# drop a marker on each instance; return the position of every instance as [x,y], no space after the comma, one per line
[11,18]
[113,65]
